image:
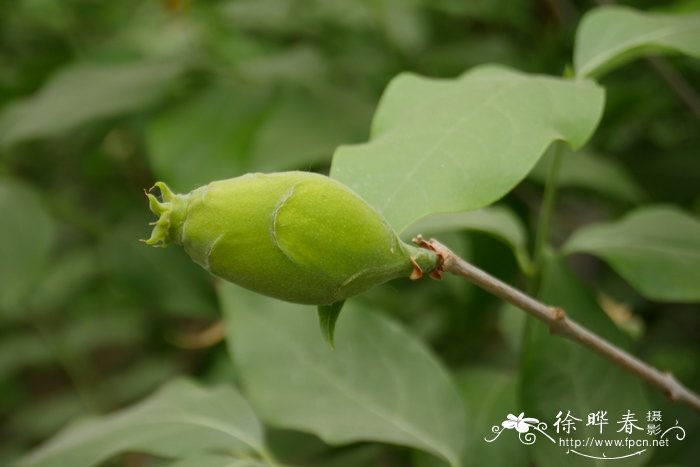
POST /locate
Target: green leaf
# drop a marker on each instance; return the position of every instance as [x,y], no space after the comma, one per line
[445,145]
[583,169]
[612,35]
[327,317]
[82,93]
[180,419]
[498,221]
[655,248]
[380,384]
[560,375]
[489,394]
[25,240]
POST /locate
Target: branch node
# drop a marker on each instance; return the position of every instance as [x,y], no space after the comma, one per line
[559,314]
[437,273]
[417,272]
[423,243]
[672,391]
[442,253]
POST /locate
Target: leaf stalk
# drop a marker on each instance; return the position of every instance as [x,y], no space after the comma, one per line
[545,218]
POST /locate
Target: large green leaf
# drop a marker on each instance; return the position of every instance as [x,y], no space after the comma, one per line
[443,145]
[25,240]
[83,93]
[180,419]
[498,221]
[656,249]
[380,383]
[611,35]
[560,375]
[489,394]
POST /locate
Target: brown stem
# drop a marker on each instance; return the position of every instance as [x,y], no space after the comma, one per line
[560,323]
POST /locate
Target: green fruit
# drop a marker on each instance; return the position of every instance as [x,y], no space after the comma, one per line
[295,236]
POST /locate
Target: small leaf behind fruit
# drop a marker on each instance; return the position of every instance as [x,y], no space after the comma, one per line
[327,317]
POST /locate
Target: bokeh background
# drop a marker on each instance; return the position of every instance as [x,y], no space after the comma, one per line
[98,100]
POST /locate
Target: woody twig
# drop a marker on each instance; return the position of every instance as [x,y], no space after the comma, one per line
[561,324]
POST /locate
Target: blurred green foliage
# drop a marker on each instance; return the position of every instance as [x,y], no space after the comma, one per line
[100,99]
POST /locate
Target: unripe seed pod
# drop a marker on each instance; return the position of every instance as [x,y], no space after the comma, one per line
[295,236]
